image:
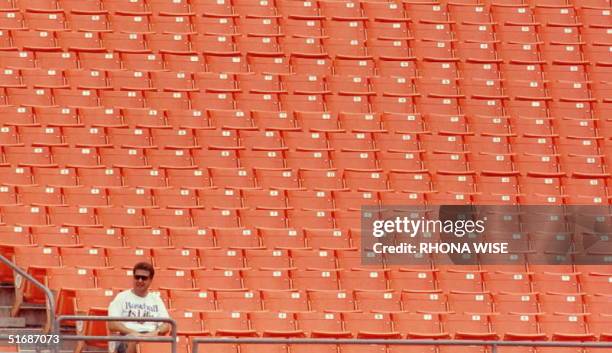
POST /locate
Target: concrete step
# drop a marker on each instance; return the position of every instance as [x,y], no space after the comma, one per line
[34,315]
[10,322]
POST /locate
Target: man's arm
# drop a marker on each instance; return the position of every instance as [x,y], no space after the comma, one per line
[164,328]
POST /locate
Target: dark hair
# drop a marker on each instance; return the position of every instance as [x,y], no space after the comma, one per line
[146,267]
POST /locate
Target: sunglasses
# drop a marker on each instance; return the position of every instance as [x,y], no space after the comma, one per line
[141,278]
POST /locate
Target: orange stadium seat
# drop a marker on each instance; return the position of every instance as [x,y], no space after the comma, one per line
[516,302]
[100,237]
[376,301]
[121,257]
[314,279]
[285,301]
[320,324]
[221,258]
[227,323]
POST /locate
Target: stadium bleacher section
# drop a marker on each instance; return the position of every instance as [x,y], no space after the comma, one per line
[232,144]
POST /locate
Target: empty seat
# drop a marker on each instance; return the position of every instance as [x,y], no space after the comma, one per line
[263,258]
[285,301]
[411,280]
[191,237]
[319,324]
[244,301]
[518,303]
[369,324]
[419,325]
[314,279]
[215,218]
[227,323]
[192,300]
[24,215]
[274,323]
[376,301]
[562,326]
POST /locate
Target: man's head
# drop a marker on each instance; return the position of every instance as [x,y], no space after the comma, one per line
[143,275]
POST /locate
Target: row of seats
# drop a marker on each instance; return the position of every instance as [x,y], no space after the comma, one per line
[527,98]
[526,244]
[156,217]
[332,279]
[182,237]
[372,301]
[534,244]
[386,325]
[405,190]
[387,57]
[561,20]
[413,182]
[309,64]
[266,97]
[236,199]
[473,40]
[364,325]
[198,216]
[108,251]
[154,142]
[453,155]
[451,116]
[445,133]
[176,236]
[228,289]
[352,150]
[351,188]
[169,125]
[350,102]
[338,249]
[576,89]
[178,127]
[515,10]
[321,131]
[358,27]
[186,344]
[317,324]
[153,193]
[188,43]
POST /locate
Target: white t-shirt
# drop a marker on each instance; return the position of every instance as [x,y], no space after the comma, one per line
[128,304]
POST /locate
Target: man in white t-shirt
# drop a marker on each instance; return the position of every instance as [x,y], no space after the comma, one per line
[137,302]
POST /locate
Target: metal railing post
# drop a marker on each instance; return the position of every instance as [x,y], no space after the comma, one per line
[50,298]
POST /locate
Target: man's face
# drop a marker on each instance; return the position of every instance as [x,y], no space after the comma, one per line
[142,281]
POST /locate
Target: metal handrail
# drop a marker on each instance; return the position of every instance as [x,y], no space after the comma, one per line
[402,342]
[172,338]
[50,298]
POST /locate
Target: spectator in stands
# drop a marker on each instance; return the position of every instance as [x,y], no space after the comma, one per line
[137,302]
